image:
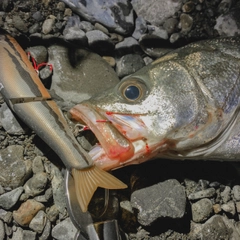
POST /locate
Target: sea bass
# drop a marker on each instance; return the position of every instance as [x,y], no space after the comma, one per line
[25,94]
[184,105]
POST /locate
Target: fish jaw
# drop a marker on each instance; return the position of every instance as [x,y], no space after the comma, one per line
[124,139]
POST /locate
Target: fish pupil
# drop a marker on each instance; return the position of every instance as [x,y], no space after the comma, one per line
[132,92]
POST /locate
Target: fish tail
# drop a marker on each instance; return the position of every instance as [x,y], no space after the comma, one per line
[89,179]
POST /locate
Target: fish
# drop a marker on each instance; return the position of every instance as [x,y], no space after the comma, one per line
[184,105]
[27,97]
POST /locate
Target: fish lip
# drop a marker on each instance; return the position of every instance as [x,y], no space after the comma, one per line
[117,147]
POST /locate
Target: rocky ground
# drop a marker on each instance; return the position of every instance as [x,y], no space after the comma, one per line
[91,45]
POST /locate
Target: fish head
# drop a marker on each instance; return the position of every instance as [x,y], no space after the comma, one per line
[141,116]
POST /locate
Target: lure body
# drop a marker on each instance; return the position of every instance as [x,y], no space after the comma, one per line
[25,94]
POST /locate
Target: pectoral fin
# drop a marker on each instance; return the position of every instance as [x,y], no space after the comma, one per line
[89,179]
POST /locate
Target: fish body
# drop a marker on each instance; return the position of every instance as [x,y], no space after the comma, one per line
[25,94]
[184,105]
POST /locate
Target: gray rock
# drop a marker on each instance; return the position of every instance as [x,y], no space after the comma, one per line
[158,32]
[6,216]
[140,27]
[228,24]
[38,222]
[229,207]
[52,213]
[36,184]
[46,231]
[48,194]
[58,189]
[129,64]
[2,230]
[236,192]
[128,45]
[19,24]
[73,31]
[186,22]
[9,122]
[207,193]
[64,230]
[156,11]
[39,53]
[9,199]
[1,190]
[86,26]
[201,210]
[99,42]
[37,165]
[170,25]
[37,16]
[116,15]
[166,199]
[14,171]
[48,24]
[77,81]
[215,228]
[29,235]
[18,234]
[225,194]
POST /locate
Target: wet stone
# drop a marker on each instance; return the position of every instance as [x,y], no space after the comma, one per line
[128,45]
[129,64]
[36,184]
[166,199]
[201,210]
[140,27]
[64,230]
[186,22]
[24,215]
[9,199]
[116,15]
[14,171]
[207,193]
[38,222]
[9,122]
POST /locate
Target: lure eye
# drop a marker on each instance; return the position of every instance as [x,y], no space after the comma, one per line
[133,89]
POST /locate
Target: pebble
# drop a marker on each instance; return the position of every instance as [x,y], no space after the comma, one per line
[188,7]
[207,193]
[39,53]
[2,230]
[110,60]
[14,170]
[156,12]
[229,207]
[170,25]
[9,122]
[86,26]
[47,26]
[6,216]
[36,184]
[165,199]
[225,194]
[201,210]
[64,230]
[19,24]
[26,212]
[236,192]
[38,222]
[217,208]
[228,24]
[128,45]
[52,213]
[140,27]
[37,165]
[9,199]
[159,32]
[116,15]
[129,64]
[186,22]
[76,81]
[46,231]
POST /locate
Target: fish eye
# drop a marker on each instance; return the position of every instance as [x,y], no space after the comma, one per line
[132,90]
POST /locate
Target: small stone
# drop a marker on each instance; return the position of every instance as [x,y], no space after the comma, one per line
[37,16]
[128,45]
[237,207]
[174,37]
[38,222]
[101,28]
[37,165]
[9,199]
[229,207]
[64,230]
[201,210]
[9,121]
[236,192]
[110,60]
[217,208]
[18,234]
[52,213]
[48,194]
[46,231]
[158,32]
[1,190]
[188,7]
[140,27]
[6,216]
[86,26]
[61,6]
[19,24]
[166,199]
[39,53]
[47,26]
[29,235]
[36,184]
[24,215]
[2,230]
[225,194]
[170,25]
[129,64]
[186,22]
[147,60]
[207,193]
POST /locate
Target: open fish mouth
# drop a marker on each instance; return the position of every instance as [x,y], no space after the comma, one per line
[122,138]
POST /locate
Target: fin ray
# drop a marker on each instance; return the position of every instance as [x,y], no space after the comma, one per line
[88,180]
